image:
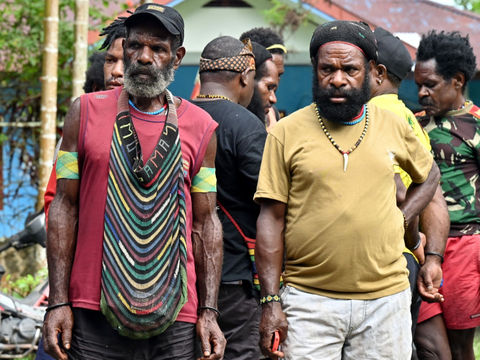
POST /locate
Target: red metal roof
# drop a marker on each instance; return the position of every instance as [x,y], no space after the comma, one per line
[418,16]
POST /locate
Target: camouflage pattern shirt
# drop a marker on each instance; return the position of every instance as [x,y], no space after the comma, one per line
[455,141]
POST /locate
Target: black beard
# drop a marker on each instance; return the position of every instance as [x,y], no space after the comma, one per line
[156,84]
[343,112]
[256,105]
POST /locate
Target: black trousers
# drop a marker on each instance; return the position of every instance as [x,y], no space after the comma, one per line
[95,339]
[239,322]
[413,267]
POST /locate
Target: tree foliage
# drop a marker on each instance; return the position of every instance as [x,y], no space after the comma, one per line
[285,18]
[472,5]
[21,45]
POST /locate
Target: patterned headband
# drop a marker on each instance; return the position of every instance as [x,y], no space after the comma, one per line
[239,63]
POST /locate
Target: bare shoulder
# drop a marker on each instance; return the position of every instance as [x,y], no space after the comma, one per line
[71,127]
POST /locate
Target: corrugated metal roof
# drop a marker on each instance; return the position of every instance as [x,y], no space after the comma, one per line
[415,16]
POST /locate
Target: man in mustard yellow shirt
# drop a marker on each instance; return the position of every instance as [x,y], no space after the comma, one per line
[393,65]
[328,197]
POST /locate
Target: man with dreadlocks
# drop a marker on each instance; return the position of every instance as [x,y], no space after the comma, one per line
[227,70]
[135,247]
[445,64]
[273,42]
[113,67]
[109,77]
[334,213]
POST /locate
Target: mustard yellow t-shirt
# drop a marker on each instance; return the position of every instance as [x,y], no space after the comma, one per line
[344,232]
[392,103]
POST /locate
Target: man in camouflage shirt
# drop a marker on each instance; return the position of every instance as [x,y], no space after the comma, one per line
[445,64]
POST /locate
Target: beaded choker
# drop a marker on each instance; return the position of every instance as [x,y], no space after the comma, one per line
[158,112]
[355,120]
[206,96]
[348,152]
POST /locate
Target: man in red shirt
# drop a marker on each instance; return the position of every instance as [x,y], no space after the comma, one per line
[135,246]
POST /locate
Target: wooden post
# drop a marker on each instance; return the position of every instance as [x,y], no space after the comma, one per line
[81,47]
[145,1]
[48,111]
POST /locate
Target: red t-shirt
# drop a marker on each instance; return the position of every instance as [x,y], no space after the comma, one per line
[98,113]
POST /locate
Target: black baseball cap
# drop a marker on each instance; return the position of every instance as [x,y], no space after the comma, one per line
[168,16]
[392,53]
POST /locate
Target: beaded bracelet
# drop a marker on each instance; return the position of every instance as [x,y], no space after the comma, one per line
[436,254]
[270,298]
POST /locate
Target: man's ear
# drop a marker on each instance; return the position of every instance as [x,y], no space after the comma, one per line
[179,54]
[458,80]
[381,71]
[244,80]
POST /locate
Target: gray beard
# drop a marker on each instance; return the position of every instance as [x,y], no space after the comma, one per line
[151,87]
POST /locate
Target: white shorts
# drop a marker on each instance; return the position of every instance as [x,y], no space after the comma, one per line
[325,328]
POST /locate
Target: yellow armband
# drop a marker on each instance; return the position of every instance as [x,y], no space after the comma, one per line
[67,165]
[205,181]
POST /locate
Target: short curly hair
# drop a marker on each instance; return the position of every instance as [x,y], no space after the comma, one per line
[265,37]
[452,53]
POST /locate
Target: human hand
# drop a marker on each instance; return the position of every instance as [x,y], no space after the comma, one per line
[420,251]
[210,336]
[273,319]
[429,280]
[58,321]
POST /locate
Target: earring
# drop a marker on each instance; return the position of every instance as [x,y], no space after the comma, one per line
[379,82]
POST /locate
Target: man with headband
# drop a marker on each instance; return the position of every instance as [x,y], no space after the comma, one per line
[135,247]
[266,82]
[227,70]
[327,197]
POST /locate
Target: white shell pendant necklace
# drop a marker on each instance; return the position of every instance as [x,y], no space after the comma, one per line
[348,152]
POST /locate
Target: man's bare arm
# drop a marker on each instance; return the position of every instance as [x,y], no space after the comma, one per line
[207,243]
[435,224]
[269,260]
[61,240]
[417,198]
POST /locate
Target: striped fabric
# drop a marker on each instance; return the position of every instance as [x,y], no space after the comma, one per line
[144,277]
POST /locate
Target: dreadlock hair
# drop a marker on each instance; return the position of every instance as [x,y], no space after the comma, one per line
[451,52]
[223,46]
[94,74]
[114,31]
[265,37]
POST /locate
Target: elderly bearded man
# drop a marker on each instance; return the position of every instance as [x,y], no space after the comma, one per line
[327,194]
[133,233]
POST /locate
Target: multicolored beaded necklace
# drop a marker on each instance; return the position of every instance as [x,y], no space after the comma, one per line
[357,144]
[206,96]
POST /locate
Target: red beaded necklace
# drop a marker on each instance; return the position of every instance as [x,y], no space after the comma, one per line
[357,144]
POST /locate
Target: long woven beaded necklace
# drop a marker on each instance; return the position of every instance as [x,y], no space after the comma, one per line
[348,152]
[206,96]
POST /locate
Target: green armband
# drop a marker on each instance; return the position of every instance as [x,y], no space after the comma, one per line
[205,181]
[67,165]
